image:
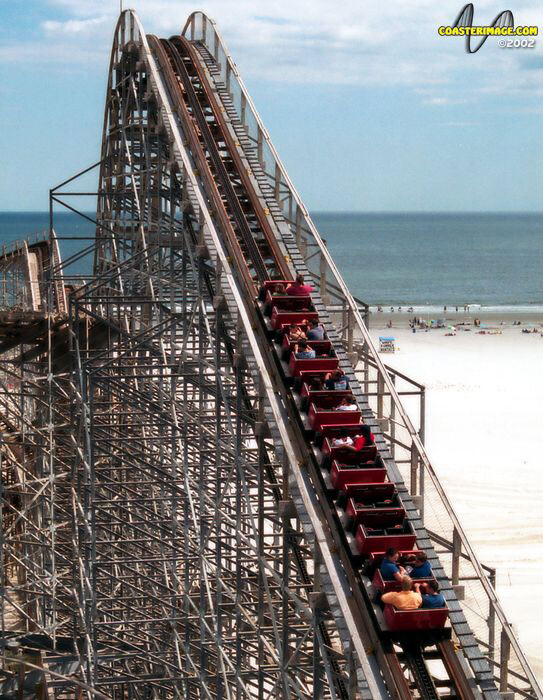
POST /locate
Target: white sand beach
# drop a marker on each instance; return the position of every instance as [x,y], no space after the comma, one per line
[486,391]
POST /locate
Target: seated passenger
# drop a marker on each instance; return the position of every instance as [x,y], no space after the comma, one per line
[278,289]
[432,598]
[295,333]
[344,439]
[298,288]
[347,404]
[419,566]
[364,439]
[406,599]
[337,381]
[390,569]
[316,330]
[316,384]
[302,351]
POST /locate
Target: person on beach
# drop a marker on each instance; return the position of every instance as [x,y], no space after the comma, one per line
[406,599]
[431,598]
[419,566]
[295,333]
[390,569]
[298,288]
[302,351]
[336,381]
[343,440]
[347,404]
[316,330]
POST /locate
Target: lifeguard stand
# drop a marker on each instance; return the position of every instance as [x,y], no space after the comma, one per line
[386,344]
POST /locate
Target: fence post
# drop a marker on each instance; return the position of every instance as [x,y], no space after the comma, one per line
[491,622]
[414,467]
[505,650]
[456,552]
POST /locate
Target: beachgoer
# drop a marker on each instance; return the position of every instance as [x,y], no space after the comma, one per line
[406,599]
[390,569]
[336,381]
[295,333]
[298,288]
[316,330]
[343,440]
[420,566]
[302,351]
[347,404]
[432,598]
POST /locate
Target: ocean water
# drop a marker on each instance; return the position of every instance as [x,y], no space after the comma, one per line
[489,260]
[426,261]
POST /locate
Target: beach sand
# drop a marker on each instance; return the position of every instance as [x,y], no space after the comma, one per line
[486,391]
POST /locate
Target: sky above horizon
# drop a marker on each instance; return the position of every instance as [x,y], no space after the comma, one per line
[368,107]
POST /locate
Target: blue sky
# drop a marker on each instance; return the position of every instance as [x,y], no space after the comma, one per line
[368,107]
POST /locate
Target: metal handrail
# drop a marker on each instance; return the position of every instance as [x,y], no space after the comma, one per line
[415,438]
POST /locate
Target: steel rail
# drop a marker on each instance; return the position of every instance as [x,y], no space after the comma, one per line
[489,590]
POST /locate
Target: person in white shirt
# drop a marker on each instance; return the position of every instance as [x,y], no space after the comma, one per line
[343,439]
[347,404]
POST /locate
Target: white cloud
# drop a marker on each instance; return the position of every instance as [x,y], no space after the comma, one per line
[74,26]
[315,41]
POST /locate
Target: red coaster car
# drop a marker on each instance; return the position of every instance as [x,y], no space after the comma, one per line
[421,619]
[343,476]
[280,318]
[376,539]
[344,455]
[288,303]
[319,416]
[271,285]
[317,364]
[386,586]
[374,505]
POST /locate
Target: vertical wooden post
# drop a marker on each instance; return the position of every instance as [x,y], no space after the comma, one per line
[456,552]
[350,331]
[422,418]
[259,148]
[505,651]
[299,227]
[243,111]
[277,185]
[380,392]
[392,429]
[414,466]
[491,621]
[323,279]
